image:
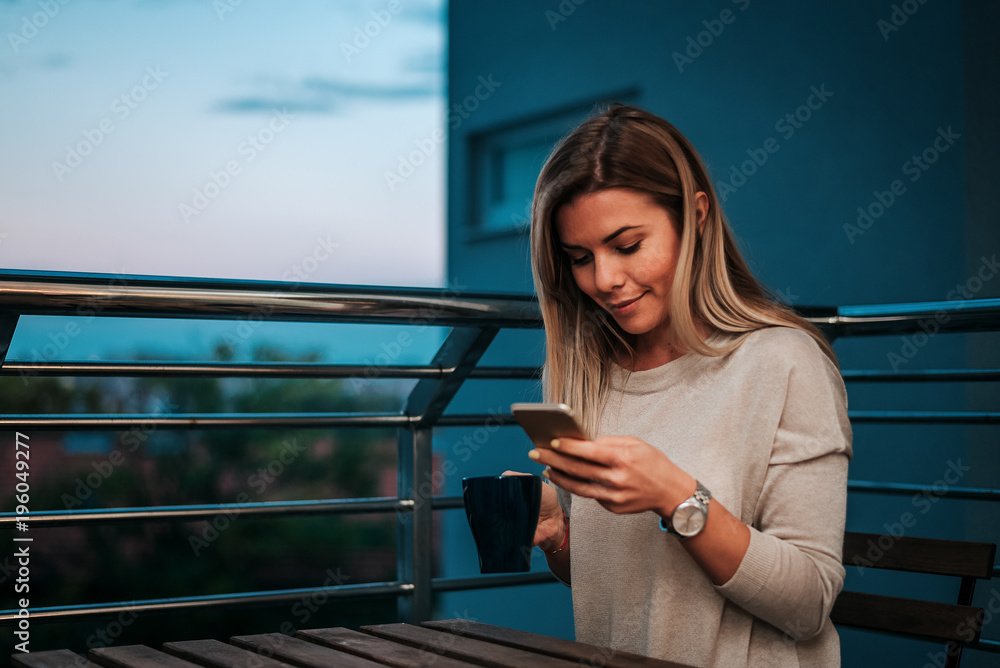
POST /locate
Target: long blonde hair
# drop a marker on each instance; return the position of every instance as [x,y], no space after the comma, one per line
[628,147]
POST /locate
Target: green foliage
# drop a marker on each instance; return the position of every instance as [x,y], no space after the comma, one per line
[230,553]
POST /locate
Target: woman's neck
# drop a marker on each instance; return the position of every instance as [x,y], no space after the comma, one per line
[653,353]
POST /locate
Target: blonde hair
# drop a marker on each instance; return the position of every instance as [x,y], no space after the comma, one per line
[627,147]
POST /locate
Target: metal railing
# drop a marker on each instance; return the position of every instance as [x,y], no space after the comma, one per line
[475,319]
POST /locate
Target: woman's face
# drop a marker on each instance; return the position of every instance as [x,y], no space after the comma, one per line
[623,250]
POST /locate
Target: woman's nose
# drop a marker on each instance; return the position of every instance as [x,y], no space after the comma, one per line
[608,274]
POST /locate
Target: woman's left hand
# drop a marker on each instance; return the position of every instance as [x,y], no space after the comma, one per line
[622,473]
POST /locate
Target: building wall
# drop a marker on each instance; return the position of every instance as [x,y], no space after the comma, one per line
[855,147]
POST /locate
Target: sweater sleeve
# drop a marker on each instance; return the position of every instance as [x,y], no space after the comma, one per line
[792,573]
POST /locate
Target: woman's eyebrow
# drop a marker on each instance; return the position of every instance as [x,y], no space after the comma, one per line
[606,239]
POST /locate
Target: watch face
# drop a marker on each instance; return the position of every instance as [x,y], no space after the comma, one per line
[688,520]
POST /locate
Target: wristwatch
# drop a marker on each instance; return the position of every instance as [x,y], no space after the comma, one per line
[689,518]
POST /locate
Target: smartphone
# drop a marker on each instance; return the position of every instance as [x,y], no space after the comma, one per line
[544,422]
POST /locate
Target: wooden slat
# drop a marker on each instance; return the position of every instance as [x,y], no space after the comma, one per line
[920,555]
[300,652]
[136,656]
[386,651]
[927,619]
[590,655]
[466,649]
[218,654]
[56,658]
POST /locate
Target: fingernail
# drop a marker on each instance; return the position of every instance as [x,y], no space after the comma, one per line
[555,443]
[546,475]
[533,454]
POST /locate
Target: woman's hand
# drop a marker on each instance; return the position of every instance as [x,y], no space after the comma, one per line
[622,473]
[551,529]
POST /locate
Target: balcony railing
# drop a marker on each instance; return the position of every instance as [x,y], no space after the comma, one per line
[474,318]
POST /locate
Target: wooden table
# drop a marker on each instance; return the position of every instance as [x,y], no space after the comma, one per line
[451,643]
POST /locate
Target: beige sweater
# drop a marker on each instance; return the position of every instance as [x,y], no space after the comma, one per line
[765,429]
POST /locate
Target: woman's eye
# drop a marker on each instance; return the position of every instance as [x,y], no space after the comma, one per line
[577,261]
[628,250]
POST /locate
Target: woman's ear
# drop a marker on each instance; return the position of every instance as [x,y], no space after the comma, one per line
[701,210]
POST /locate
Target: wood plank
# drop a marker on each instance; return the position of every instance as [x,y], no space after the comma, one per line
[56,658]
[386,651]
[136,656]
[299,652]
[466,649]
[218,654]
[906,616]
[919,555]
[557,647]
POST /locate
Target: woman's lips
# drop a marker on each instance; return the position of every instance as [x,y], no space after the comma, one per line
[625,307]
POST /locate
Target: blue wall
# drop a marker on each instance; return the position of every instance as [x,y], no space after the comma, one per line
[868,87]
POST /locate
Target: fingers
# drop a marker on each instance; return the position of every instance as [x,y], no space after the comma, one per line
[603,451]
[513,473]
[583,469]
[591,488]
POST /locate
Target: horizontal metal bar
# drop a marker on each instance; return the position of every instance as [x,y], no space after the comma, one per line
[218,370]
[475,419]
[87,295]
[260,509]
[985,646]
[486,581]
[969,315]
[149,421]
[157,605]
[926,417]
[251,370]
[906,489]
[506,372]
[923,376]
[447,502]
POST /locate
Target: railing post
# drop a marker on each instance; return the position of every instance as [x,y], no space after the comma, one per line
[413,551]
[415,479]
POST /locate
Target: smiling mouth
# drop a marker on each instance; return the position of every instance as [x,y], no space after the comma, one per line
[621,306]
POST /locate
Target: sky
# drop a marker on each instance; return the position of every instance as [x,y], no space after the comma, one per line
[224,139]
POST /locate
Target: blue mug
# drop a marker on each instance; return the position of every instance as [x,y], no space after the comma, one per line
[503,514]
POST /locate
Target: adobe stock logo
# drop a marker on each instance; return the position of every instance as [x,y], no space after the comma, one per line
[913,168]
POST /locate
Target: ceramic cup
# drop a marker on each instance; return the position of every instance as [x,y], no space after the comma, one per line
[503,514]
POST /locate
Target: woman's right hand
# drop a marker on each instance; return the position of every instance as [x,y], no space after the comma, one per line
[551,529]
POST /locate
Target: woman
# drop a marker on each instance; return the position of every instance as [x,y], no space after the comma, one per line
[708,513]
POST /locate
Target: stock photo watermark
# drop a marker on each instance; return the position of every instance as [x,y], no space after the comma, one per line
[392,349]
[696,45]
[923,502]
[22,551]
[259,482]
[60,338]
[914,168]
[363,35]
[247,150]
[223,7]
[966,630]
[33,23]
[297,273]
[786,125]
[929,327]
[898,17]
[103,469]
[425,147]
[564,10]
[121,107]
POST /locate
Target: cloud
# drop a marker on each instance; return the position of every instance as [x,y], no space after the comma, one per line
[323,95]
